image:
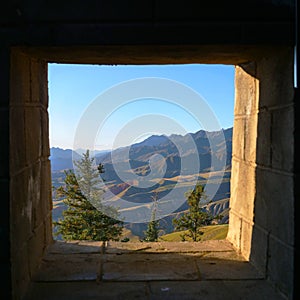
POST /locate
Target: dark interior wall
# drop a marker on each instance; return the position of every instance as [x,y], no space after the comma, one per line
[5,265]
[149,22]
[147,10]
[227,25]
[29,172]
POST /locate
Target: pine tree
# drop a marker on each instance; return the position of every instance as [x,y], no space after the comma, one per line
[194,218]
[151,234]
[85,217]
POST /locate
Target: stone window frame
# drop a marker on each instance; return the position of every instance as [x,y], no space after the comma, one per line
[257,99]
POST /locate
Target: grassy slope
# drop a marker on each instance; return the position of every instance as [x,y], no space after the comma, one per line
[128,234]
[212,232]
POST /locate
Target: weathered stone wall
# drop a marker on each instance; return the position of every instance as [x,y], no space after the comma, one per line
[94,31]
[30,177]
[243,158]
[262,201]
[274,201]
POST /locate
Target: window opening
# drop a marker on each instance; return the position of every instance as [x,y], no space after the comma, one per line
[160,131]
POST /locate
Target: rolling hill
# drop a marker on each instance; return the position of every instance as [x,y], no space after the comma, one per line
[177,157]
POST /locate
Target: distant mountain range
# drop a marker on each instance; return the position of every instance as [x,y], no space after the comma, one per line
[175,159]
[140,153]
[61,159]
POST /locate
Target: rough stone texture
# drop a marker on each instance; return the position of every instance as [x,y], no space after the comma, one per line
[21,225]
[30,175]
[167,247]
[66,267]
[153,32]
[245,150]
[34,248]
[20,81]
[280,264]
[234,230]
[250,132]
[18,143]
[87,290]
[259,249]
[227,269]
[281,137]
[263,158]
[238,138]
[278,200]
[155,261]
[213,290]
[71,270]
[246,237]
[75,247]
[246,99]
[243,158]
[242,189]
[262,194]
[21,275]
[276,89]
[145,267]
[155,290]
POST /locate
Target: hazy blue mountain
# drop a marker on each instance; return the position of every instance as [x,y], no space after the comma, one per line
[140,153]
[175,159]
[61,159]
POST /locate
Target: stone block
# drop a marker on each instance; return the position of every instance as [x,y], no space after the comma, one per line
[33,134]
[259,247]
[280,267]
[282,140]
[45,134]
[46,187]
[250,138]
[34,195]
[275,73]
[246,237]
[38,82]
[238,138]
[234,181]
[232,255]
[234,231]
[252,289]
[20,272]
[36,247]
[20,78]
[75,247]
[263,145]
[143,267]
[218,269]
[20,211]
[168,247]
[246,97]
[17,139]
[48,230]
[214,290]
[87,290]
[274,192]
[69,267]
[190,290]
[242,188]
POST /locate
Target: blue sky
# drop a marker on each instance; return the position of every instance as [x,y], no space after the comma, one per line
[73,88]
